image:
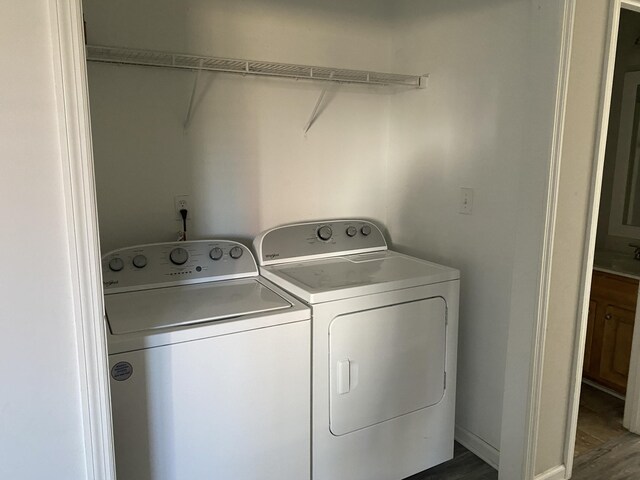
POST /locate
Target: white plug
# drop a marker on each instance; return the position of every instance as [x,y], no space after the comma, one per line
[181,202]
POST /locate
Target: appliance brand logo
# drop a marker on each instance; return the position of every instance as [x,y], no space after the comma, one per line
[271,256]
[121,371]
[110,282]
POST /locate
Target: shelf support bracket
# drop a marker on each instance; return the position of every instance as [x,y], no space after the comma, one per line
[315,113]
[187,120]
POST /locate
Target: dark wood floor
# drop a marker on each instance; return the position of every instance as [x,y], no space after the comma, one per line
[604,449]
[617,459]
[464,466]
[599,419]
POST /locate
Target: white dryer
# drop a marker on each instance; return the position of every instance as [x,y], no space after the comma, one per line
[209,365]
[384,338]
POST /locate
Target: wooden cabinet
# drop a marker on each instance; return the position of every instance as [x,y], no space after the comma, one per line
[593,306]
[610,330]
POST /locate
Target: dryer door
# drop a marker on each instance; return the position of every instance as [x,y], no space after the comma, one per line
[386,362]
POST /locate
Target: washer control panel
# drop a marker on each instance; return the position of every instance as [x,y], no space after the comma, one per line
[303,241]
[177,263]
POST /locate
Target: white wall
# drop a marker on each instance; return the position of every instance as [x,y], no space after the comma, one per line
[544,37]
[463,133]
[485,124]
[40,413]
[244,161]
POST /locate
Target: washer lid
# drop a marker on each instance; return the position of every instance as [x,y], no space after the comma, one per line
[342,277]
[144,310]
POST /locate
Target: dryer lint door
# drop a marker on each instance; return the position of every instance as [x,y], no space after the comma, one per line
[386,362]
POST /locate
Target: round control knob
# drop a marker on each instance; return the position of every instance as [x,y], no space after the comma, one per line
[216,253]
[351,231]
[235,252]
[116,264]
[365,230]
[325,233]
[139,261]
[179,256]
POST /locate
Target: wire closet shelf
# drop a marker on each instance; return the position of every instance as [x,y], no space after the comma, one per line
[152,58]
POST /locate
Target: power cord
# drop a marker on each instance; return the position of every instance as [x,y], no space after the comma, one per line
[183,214]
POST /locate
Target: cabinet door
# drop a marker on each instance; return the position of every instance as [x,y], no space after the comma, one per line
[616,346]
[586,366]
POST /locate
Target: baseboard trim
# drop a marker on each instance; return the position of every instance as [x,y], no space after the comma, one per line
[478,446]
[602,388]
[555,473]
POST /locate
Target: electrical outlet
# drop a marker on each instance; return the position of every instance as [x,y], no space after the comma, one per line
[181,202]
[466,200]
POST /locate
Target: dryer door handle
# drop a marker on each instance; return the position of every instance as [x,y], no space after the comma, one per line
[347,376]
[343,376]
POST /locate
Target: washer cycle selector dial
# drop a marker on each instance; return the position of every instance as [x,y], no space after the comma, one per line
[216,253]
[235,252]
[116,264]
[351,231]
[139,261]
[365,230]
[325,233]
[179,256]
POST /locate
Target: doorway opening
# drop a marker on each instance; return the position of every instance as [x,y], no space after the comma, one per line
[604,417]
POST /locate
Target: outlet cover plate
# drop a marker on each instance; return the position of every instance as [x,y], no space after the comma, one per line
[180,202]
[466,200]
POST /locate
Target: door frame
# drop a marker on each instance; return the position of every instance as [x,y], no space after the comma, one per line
[74,128]
[69,64]
[633,394]
[532,409]
[631,419]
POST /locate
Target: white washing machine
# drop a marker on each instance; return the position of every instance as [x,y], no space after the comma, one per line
[384,338]
[209,365]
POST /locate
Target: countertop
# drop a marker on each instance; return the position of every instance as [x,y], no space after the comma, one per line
[617,263]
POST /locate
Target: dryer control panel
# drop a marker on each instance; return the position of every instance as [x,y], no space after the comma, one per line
[306,241]
[177,263]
